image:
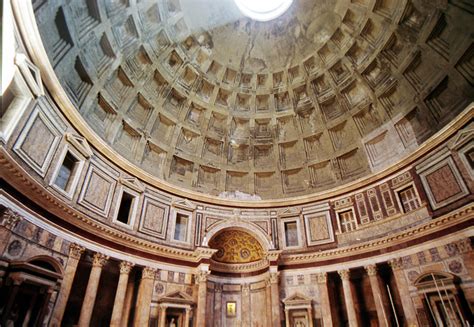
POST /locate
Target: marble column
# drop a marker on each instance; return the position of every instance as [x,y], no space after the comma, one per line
[201,280]
[275,299]
[245,305]
[128,301]
[287,318]
[187,317]
[75,252]
[379,296]
[324,299]
[144,296]
[310,317]
[91,291]
[402,286]
[11,297]
[268,302]
[349,298]
[218,305]
[162,318]
[125,268]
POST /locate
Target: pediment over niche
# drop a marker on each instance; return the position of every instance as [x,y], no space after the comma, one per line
[176,297]
[463,137]
[80,144]
[184,204]
[132,183]
[289,212]
[297,299]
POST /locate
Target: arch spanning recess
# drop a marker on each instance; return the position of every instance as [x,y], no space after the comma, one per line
[251,229]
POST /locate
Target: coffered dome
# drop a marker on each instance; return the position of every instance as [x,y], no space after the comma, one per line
[207,99]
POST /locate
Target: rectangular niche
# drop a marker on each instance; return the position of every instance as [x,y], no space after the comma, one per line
[195,115]
[239,154]
[156,85]
[174,103]
[208,177]
[163,128]
[265,183]
[187,141]
[140,110]
[119,86]
[290,154]
[287,128]
[181,170]
[138,65]
[294,180]
[367,120]
[412,128]
[181,226]
[154,158]
[237,181]
[308,120]
[314,148]
[291,231]
[262,102]
[66,175]
[321,174]
[264,156]
[218,124]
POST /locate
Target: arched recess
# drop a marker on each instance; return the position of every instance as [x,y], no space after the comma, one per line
[253,230]
[47,262]
[443,299]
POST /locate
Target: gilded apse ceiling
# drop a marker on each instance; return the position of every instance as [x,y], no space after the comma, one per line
[235,246]
[207,99]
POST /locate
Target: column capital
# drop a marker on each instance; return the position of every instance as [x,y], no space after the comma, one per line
[464,245]
[274,277]
[126,267]
[396,263]
[371,270]
[245,289]
[345,274]
[10,218]
[188,310]
[99,259]
[75,251]
[322,277]
[218,288]
[148,273]
[201,276]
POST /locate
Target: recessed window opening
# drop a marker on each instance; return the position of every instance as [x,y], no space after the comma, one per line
[125,208]
[291,233]
[347,221]
[66,172]
[180,229]
[409,199]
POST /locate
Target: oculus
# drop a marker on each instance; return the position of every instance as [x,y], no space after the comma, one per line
[263,10]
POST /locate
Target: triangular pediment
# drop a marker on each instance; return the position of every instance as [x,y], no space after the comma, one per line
[297,298]
[132,183]
[80,144]
[176,297]
[184,204]
[463,137]
[289,212]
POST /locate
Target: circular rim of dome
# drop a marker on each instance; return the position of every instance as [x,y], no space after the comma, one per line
[263,10]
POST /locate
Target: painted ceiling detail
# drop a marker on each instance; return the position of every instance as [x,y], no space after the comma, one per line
[235,246]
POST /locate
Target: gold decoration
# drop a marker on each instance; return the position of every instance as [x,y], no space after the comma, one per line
[236,246]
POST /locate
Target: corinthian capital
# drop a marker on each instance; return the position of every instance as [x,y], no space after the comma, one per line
[148,273]
[201,276]
[345,274]
[371,270]
[126,267]
[9,219]
[75,251]
[99,260]
[322,277]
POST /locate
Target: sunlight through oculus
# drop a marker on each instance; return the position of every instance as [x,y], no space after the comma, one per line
[263,10]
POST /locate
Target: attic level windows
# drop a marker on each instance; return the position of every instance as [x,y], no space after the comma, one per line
[181,226]
[126,208]
[291,233]
[263,10]
[66,172]
[347,221]
[409,199]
